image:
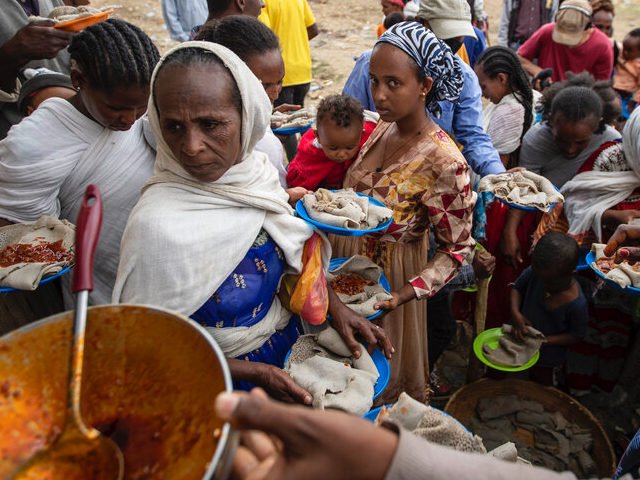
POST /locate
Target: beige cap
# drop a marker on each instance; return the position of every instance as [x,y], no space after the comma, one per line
[447,18]
[572,19]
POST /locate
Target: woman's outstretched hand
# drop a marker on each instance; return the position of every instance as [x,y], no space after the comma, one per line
[349,324]
[403,295]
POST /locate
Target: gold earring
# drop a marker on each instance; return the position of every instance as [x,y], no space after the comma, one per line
[423,96]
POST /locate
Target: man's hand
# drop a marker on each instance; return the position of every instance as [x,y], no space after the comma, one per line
[288,442]
[36,41]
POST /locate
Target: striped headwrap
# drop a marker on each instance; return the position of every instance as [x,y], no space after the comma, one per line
[433,56]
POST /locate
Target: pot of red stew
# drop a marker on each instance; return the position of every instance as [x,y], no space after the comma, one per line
[149,382]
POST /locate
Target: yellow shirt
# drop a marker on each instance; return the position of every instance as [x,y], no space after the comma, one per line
[462,53]
[289,20]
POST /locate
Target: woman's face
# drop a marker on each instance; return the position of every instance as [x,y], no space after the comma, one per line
[603,21]
[395,87]
[199,119]
[269,68]
[572,138]
[116,110]
[493,89]
[390,7]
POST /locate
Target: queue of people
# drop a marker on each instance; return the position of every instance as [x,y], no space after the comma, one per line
[198,191]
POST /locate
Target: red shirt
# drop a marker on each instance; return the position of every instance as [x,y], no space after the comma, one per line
[594,56]
[312,169]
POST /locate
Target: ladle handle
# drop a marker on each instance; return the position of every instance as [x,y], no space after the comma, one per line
[87,234]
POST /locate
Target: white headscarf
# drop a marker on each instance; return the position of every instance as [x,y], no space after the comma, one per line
[185,237]
[589,194]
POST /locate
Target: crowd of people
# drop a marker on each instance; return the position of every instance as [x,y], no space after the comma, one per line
[198,190]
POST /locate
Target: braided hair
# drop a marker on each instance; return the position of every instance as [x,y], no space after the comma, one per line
[114,53]
[495,60]
[244,35]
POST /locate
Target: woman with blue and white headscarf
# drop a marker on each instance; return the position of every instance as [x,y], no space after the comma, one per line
[412,166]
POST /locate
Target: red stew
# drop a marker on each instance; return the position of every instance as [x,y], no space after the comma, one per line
[42,252]
[349,284]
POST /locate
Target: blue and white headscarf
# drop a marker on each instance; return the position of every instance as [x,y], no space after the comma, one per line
[433,56]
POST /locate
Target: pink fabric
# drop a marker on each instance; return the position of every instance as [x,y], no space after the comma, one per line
[594,56]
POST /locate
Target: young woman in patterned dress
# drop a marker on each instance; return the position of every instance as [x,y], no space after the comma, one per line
[413,167]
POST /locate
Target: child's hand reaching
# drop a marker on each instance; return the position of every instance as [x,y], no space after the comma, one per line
[296,193]
[520,323]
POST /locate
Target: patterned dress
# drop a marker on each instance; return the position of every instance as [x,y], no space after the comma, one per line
[427,186]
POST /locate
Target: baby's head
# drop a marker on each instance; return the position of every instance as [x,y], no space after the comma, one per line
[554,260]
[393,18]
[40,85]
[339,126]
[631,45]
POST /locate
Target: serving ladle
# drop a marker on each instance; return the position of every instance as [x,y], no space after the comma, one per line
[79,452]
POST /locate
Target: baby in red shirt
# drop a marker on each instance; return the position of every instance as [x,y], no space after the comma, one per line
[326,152]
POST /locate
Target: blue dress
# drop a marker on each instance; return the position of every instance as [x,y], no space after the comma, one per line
[244,299]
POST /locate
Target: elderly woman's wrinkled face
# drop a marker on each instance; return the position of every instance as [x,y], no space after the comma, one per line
[396,90]
[200,118]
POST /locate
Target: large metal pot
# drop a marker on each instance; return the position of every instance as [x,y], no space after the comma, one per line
[149,382]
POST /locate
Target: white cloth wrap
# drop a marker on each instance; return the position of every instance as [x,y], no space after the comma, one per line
[504,122]
[236,341]
[185,237]
[589,194]
[48,160]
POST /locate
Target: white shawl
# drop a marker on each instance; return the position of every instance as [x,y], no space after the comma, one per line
[504,121]
[185,237]
[589,194]
[46,163]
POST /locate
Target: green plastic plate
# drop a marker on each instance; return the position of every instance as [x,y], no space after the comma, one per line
[490,337]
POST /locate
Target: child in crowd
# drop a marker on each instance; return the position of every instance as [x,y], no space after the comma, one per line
[626,75]
[548,297]
[389,7]
[41,84]
[509,114]
[326,152]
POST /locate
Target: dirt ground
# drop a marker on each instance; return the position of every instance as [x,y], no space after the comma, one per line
[347,28]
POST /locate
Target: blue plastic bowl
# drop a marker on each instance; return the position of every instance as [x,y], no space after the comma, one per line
[591,259]
[345,232]
[292,130]
[381,364]
[44,280]
[336,262]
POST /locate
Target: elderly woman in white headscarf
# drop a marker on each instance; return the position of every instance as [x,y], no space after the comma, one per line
[213,233]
